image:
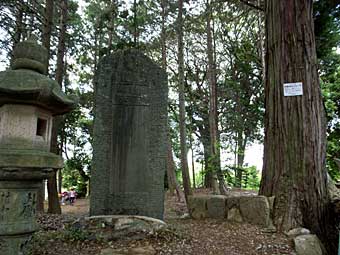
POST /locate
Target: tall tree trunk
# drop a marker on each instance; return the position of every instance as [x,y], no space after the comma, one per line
[192,163]
[111,25]
[184,161]
[240,150]
[135,25]
[53,201]
[171,174]
[213,117]
[18,24]
[60,180]
[163,33]
[46,41]
[295,127]
[205,139]
[47,29]
[59,76]
[172,180]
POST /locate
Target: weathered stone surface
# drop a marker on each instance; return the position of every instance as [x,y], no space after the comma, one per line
[255,210]
[216,206]
[27,83]
[271,201]
[234,215]
[198,206]
[129,149]
[18,128]
[112,227]
[307,245]
[250,209]
[28,100]
[15,245]
[17,207]
[297,232]
[232,202]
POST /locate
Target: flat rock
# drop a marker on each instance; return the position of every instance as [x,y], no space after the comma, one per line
[297,232]
[307,245]
[112,227]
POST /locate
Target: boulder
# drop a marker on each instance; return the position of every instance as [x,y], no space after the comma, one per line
[307,245]
[198,206]
[255,210]
[216,206]
[297,232]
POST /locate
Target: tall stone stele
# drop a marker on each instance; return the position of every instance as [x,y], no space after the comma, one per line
[28,102]
[130,136]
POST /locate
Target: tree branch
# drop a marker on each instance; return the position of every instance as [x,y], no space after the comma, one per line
[252,5]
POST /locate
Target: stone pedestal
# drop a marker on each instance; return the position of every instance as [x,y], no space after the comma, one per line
[17,215]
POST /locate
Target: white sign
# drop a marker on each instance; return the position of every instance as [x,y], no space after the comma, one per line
[292,89]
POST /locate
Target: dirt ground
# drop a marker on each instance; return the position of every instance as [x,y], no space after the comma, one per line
[185,236]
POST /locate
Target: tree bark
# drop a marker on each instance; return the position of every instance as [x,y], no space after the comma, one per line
[192,162]
[135,25]
[240,153]
[163,34]
[205,139]
[18,23]
[47,28]
[295,127]
[111,25]
[172,180]
[59,76]
[184,161]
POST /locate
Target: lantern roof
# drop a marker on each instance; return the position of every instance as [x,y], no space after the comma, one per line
[27,83]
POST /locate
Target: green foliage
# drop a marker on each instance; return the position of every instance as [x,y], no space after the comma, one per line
[250,177]
[331,94]
[327,27]
[77,138]
[74,234]
[327,31]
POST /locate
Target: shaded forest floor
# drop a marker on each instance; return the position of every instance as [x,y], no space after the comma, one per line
[184,236]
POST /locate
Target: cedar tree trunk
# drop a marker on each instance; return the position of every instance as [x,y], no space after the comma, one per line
[295,127]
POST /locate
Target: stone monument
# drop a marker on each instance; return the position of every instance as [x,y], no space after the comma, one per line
[129,148]
[28,102]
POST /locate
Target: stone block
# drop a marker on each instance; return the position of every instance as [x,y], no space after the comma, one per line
[232,202]
[216,205]
[234,215]
[255,210]
[198,207]
[307,245]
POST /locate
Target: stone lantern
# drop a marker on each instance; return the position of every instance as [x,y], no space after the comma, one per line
[28,101]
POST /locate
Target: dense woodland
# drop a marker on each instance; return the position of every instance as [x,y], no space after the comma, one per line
[219,59]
